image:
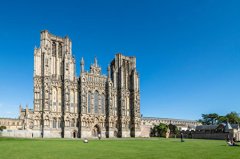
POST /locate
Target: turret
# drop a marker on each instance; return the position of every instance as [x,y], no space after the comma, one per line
[95,69]
[27,109]
[95,62]
[44,38]
[82,65]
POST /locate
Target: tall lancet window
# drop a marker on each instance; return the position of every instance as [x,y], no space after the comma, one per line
[71,101]
[96,102]
[89,102]
[54,124]
[103,104]
[60,50]
[54,49]
[54,100]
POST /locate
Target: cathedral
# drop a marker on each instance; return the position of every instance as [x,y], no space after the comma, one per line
[86,106]
[68,106]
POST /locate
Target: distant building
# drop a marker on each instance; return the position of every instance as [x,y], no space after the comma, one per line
[11,124]
[183,125]
[180,123]
[217,131]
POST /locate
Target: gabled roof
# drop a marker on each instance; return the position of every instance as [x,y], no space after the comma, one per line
[227,126]
[206,127]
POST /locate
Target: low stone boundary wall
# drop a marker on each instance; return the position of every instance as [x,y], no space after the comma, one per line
[20,133]
[216,136]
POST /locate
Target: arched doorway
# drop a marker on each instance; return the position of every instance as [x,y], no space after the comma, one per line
[96,130]
[115,133]
[74,134]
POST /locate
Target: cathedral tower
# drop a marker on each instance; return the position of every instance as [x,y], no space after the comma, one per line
[127,101]
[55,84]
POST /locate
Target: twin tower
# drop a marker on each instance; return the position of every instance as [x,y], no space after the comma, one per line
[86,106]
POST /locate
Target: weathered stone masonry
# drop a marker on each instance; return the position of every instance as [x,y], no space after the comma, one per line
[66,105]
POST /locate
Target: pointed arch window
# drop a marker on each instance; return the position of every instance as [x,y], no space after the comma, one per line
[60,50]
[54,49]
[103,104]
[96,102]
[89,102]
[71,101]
[59,122]
[73,123]
[54,123]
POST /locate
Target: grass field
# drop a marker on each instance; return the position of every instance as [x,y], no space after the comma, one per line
[116,149]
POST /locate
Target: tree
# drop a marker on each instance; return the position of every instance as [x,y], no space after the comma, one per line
[208,119]
[233,118]
[159,130]
[222,119]
[173,129]
[2,128]
[213,118]
[162,129]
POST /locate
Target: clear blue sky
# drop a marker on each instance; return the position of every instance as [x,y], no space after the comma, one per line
[188,52]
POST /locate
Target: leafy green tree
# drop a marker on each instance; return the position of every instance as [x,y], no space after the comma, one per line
[173,129]
[208,119]
[233,118]
[159,130]
[162,129]
[2,128]
[222,119]
[213,118]
[154,131]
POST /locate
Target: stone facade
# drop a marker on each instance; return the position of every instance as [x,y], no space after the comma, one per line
[69,106]
[11,124]
[21,123]
[183,125]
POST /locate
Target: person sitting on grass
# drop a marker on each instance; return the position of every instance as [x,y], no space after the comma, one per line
[232,142]
[229,143]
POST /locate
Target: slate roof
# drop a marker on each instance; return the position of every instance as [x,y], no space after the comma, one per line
[227,127]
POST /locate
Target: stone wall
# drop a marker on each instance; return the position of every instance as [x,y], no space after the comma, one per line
[211,136]
[21,133]
[145,131]
[216,136]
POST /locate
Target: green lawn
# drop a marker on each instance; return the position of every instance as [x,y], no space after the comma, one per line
[114,149]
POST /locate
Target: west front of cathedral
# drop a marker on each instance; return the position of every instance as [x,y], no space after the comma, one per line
[86,106]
